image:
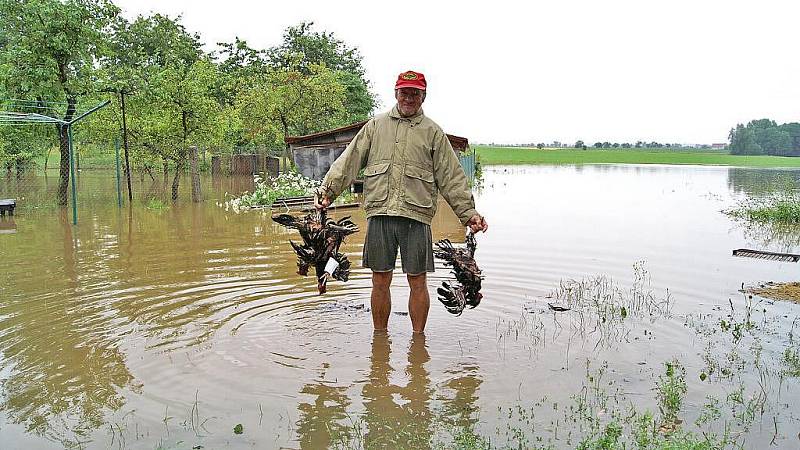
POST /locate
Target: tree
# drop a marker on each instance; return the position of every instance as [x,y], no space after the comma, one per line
[240,66]
[177,89]
[187,97]
[775,141]
[598,145]
[743,142]
[540,145]
[288,102]
[318,48]
[579,144]
[793,129]
[51,50]
[765,136]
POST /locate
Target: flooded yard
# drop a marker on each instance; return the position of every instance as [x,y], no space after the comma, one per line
[186,327]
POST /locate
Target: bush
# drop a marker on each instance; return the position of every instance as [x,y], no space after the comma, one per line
[267,190]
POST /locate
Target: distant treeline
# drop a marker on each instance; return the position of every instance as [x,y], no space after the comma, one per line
[765,137]
[59,58]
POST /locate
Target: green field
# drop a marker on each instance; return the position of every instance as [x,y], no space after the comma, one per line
[522,155]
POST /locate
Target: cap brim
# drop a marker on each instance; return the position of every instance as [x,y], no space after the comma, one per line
[409,85]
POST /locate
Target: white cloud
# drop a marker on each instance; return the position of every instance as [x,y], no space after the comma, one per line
[503,71]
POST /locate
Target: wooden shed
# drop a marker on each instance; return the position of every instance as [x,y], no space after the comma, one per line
[313,154]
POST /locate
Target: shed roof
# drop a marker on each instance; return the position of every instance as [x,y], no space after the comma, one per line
[459,143]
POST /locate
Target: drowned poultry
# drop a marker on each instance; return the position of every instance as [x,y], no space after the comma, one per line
[466,291]
[322,237]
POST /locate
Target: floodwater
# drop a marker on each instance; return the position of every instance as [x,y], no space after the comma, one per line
[167,328]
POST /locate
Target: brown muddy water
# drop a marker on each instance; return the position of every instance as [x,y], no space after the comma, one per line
[167,328]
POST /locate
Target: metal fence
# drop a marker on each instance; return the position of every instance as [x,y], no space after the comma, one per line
[467,160]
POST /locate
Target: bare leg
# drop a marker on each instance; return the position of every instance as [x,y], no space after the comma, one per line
[419,302]
[381,299]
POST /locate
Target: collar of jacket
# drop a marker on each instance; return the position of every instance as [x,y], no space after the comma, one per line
[415,119]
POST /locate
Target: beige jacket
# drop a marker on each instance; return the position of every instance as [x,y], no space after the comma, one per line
[407,162]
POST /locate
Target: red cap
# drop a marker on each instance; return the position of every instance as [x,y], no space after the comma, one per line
[411,79]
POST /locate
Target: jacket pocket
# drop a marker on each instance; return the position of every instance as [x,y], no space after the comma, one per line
[376,183]
[419,186]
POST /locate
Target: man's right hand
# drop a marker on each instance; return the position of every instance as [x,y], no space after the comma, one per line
[321,201]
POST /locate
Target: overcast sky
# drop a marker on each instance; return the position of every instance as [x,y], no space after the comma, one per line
[517,72]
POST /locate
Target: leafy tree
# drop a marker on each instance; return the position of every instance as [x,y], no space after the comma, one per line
[765,136]
[793,129]
[775,141]
[177,90]
[187,98]
[318,48]
[598,145]
[743,141]
[50,52]
[540,145]
[240,66]
[288,102]
[579,144]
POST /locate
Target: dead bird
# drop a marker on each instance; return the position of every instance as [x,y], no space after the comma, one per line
[466,291]
[322,237]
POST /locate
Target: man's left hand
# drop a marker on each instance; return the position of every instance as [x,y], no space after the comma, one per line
[478,223]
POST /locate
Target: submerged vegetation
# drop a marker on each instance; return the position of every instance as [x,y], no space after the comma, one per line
[731,400]
[775,207]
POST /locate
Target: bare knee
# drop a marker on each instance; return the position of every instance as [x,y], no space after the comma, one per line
[381,280]
[418,281]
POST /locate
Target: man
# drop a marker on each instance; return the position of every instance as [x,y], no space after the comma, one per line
[407,161]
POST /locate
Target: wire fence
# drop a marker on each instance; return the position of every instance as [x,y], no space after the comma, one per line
[100,178]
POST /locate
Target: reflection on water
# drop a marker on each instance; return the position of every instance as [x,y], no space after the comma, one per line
[753,183]
[762,181]
[397,416]
[401,406]
[323,420]
[141,318]
[64,367]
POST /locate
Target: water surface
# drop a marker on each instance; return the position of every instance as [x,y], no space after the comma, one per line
[141,328]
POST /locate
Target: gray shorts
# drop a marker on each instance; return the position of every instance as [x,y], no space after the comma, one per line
[386,233]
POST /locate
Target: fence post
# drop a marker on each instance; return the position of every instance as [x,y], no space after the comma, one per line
[71,149]
[119,188]
[196,195]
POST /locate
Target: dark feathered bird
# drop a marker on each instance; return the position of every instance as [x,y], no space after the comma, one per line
[322,237]
[466,292]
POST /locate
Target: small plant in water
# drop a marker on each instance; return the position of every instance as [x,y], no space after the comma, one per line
[155,204]
[670,390]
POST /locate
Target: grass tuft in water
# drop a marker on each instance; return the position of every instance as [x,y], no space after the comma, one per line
[670,389]
[156,204]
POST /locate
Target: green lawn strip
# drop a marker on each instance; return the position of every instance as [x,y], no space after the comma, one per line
[519,155]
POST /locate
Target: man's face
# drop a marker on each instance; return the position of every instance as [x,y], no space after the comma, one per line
[409,100]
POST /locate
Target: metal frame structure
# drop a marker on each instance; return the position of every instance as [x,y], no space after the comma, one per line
[21,118]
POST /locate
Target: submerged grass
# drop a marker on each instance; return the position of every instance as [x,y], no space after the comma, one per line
[781,207]
[156,204]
